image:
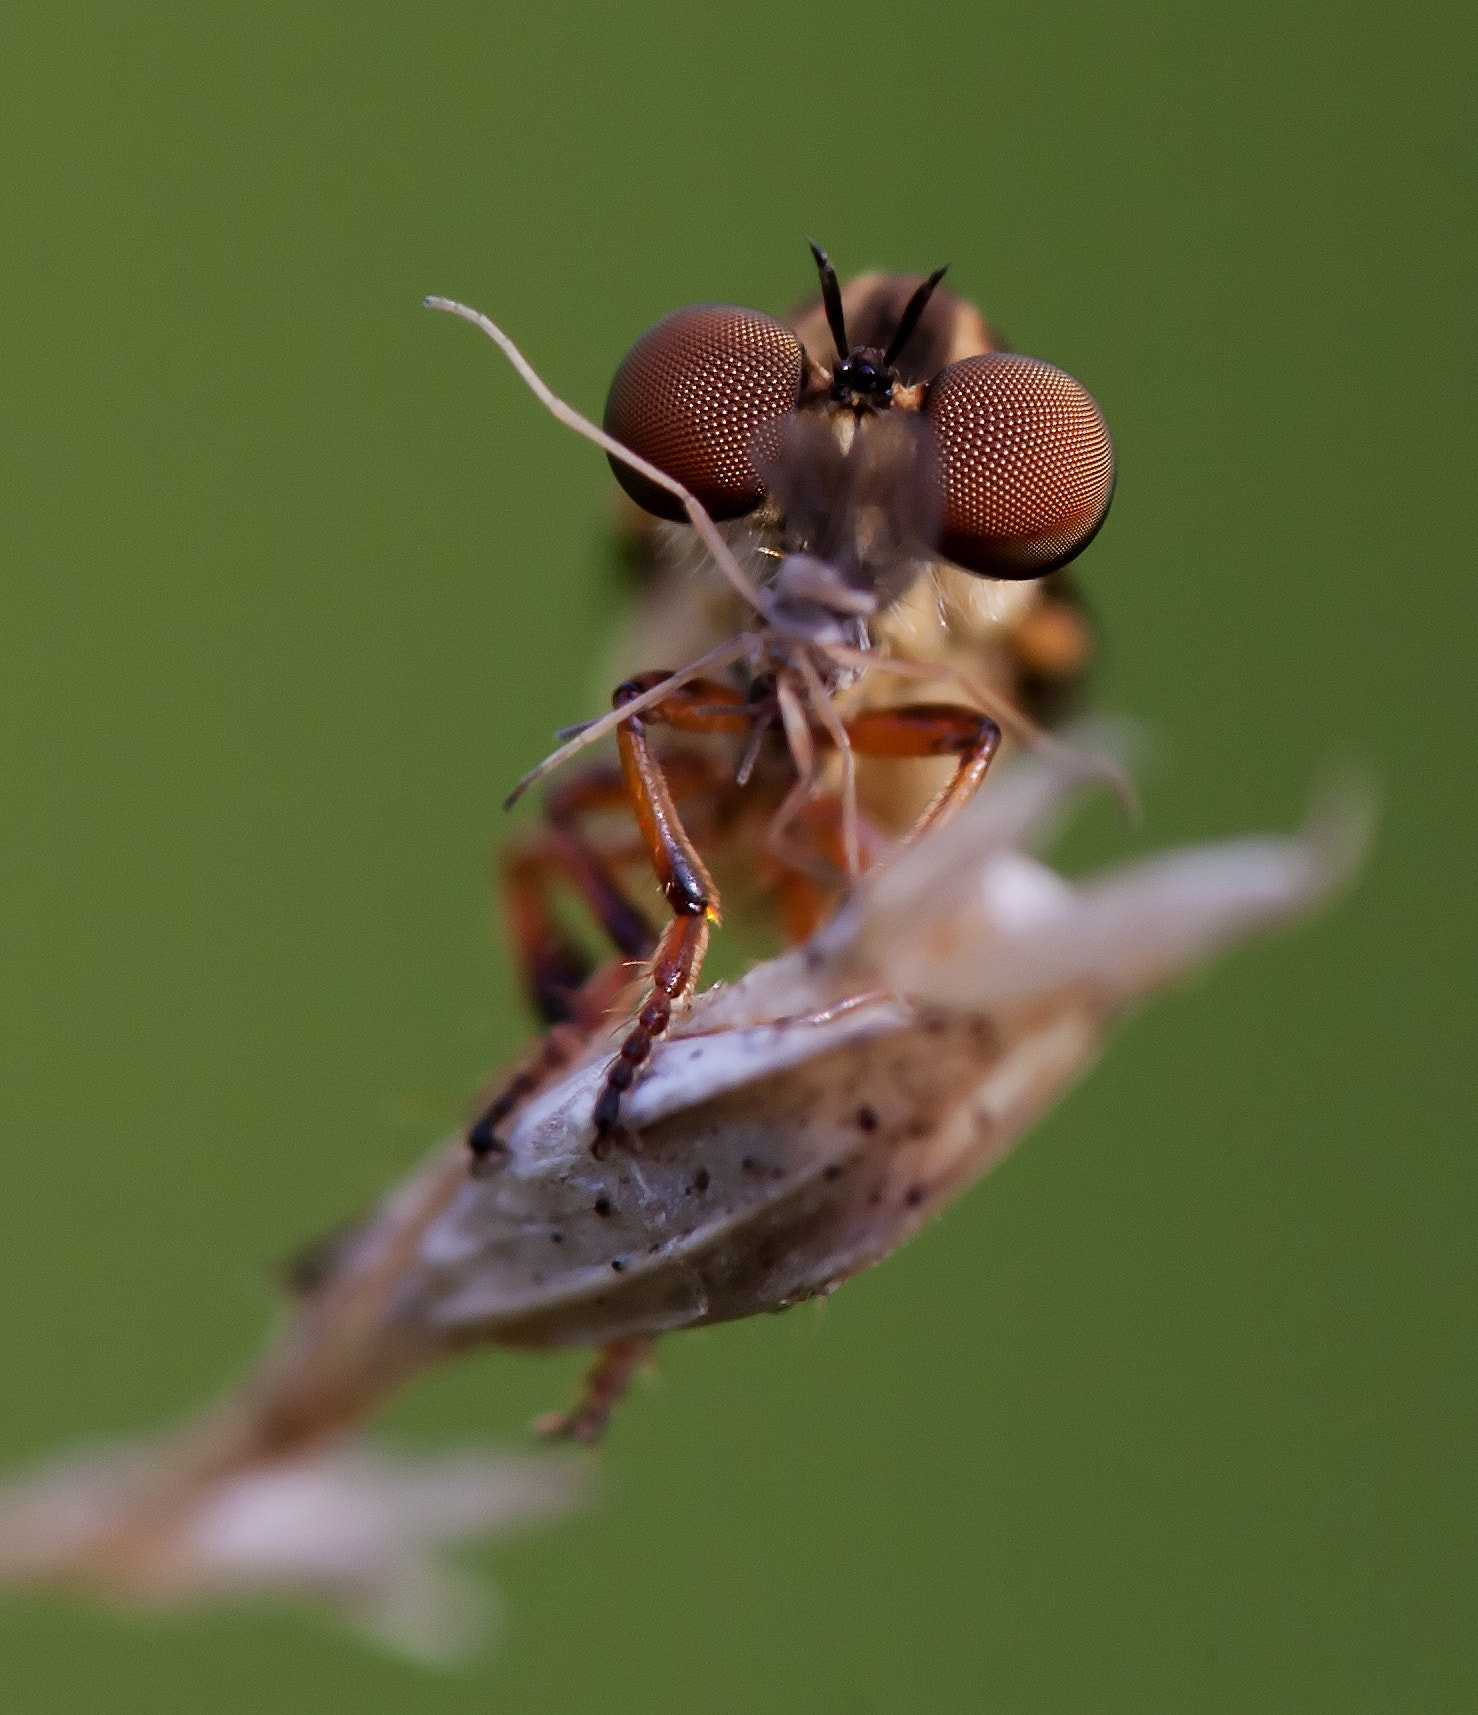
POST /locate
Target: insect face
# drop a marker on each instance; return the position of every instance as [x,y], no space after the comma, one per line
[858,495]
[1005,467]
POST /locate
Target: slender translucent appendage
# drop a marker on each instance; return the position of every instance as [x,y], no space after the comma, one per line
[572,419]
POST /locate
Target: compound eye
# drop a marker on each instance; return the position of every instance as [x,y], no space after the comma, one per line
[690,395]
[1026,462]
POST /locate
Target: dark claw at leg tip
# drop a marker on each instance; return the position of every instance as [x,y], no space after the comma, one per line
[484,1142]
[606,1140]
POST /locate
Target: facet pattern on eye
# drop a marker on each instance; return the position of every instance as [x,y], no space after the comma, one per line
[1027,463]
[689,397]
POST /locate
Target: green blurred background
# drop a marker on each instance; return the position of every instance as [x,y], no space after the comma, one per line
[1175,1412]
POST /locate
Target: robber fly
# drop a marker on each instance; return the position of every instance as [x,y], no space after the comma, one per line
[856,562]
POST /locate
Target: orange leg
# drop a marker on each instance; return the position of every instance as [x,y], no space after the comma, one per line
[556,969]
[699,706]
[674,975]
[931,729]
[804,902]
[602,1390]
[911,731]
[914,730]
[558,1046]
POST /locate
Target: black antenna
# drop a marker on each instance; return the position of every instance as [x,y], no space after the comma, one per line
[831,296]
[912,310]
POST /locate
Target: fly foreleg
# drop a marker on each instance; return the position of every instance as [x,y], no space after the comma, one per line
[698,706]
[909,732]
[931,729]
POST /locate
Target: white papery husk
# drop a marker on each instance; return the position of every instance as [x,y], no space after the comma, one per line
[795,1128]
[357,1528]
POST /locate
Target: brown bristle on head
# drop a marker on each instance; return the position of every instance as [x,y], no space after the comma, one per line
[690,395]
[1026,462]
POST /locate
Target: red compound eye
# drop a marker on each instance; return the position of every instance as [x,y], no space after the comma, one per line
[689,397]
[1026,461]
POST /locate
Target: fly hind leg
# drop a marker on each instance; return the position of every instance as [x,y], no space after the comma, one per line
[554,966]
[556,970]
[601,1391]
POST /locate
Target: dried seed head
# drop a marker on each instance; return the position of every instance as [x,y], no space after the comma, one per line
[793,1130]
[349,1526]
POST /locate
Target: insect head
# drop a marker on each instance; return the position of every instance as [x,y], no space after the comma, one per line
[1001,463]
